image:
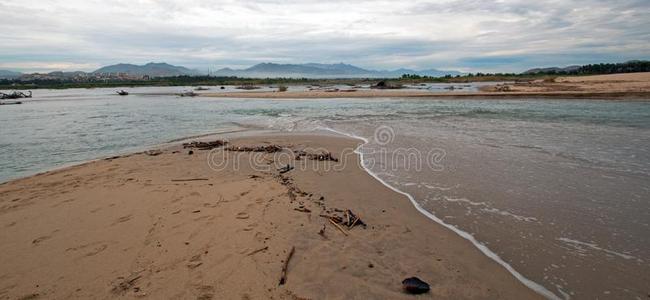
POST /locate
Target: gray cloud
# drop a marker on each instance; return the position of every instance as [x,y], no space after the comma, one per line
[471,35]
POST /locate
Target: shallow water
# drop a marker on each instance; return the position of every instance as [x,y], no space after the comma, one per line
[558,189]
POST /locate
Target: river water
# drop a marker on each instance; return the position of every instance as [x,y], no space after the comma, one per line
[559,190]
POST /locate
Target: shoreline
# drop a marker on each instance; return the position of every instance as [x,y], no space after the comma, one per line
[538,288]
[622,96]
[314,139]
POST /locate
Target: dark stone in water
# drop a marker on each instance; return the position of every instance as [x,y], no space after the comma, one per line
[414,285]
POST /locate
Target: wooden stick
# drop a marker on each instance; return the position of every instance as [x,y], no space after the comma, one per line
[283,277]
[356,220]
[305,210]
[338,226]
[190,179]
[258,250]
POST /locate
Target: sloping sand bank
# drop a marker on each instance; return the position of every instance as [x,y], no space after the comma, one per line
[632,86]
[171,225]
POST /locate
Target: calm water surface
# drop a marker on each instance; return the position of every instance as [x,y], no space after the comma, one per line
[560,190]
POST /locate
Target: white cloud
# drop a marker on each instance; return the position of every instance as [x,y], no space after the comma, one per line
[492,35]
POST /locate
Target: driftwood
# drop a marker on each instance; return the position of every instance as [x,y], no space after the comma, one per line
[338,226]
[15,95]
[348,220]
[190,179]
[125,284]
[283,276]
[302,209]
[258,250]
[336,219]
[205,145]
[285,169]
[355,221]
[267,149]
[323,156]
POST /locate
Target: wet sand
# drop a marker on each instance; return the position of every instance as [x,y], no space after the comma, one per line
[168,225]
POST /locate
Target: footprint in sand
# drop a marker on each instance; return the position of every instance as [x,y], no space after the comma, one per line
[250,227]
[64,202]
[195,261]
[122,219]
[38,240]
[97,250]
[242,216]
[205,292]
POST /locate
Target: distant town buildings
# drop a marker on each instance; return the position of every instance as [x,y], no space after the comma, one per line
[81,77]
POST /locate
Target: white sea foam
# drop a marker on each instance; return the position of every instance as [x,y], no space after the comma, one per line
[464,200]
[509,214]
[440,188]
[489,209]
[480,246]
[579,244]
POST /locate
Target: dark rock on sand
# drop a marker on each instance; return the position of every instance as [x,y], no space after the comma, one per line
[415,285]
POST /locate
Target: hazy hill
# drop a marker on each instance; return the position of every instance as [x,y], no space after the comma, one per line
[6,74]
[315,70]
[151,69]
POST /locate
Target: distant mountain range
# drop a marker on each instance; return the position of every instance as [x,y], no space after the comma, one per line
[6,74]
[314,70]
[151,69]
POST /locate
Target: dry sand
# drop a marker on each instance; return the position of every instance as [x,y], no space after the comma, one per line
[122,227]
[624,85]
[643,78]
[633,86]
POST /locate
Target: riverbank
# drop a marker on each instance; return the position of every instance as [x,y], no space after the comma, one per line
[632,86]
[169,224]
[627,96]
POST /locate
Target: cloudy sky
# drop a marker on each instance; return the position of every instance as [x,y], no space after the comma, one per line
[466,35]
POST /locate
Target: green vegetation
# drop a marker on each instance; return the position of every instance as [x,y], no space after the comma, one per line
[6,84]
[599,69]
[471,77]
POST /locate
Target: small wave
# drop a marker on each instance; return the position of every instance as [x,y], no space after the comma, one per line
[440,188]
[509,214]
[480,246]
[489,209]
[579,246]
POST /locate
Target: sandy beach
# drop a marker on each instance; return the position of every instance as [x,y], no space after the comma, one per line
[166,224]
[632,86]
